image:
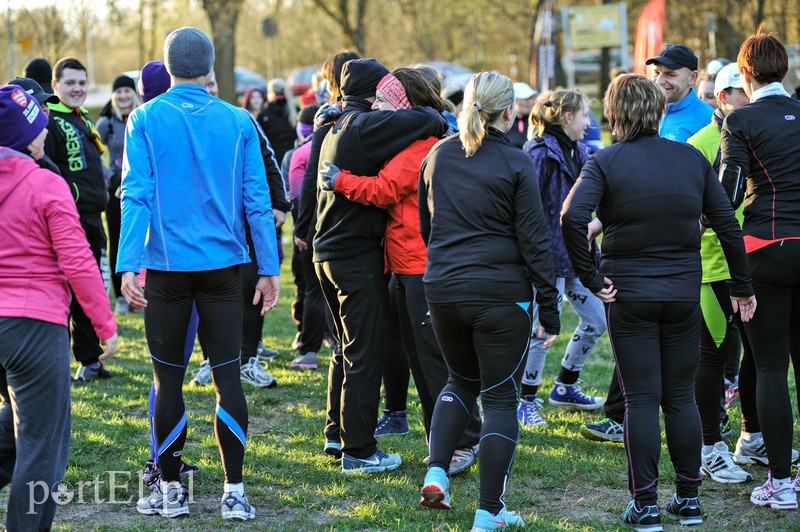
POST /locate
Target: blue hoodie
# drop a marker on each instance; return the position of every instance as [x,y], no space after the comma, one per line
[191,173]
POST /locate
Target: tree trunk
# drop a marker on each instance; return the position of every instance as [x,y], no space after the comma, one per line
[354,34]
[224,16]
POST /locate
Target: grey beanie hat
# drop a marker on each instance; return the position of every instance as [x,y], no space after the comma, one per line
[188,53]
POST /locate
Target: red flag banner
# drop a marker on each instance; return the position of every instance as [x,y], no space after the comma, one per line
[649,34]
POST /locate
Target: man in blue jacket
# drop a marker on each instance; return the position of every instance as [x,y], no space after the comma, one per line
[192,173]
[675,69]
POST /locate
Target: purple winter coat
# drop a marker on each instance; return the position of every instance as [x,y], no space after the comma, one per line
[555,182]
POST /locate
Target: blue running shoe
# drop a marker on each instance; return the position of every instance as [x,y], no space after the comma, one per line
[392,422]
[435,490]
[571,395]
[377,463]
[485,521]
[646,518]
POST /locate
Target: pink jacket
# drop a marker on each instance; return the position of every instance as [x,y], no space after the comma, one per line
[42,246]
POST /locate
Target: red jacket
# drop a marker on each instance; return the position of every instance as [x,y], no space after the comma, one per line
[42,246]
[395,189]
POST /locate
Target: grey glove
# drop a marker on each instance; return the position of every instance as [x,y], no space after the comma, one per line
[327,113]
[327,176]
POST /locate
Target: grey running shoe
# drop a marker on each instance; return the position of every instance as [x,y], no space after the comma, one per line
[92,372]
[172,503]
[202,375]
[755,452]
[305,361]
[236,506]
[253,373]
[463,459]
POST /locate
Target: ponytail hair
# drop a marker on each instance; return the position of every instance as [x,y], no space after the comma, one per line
[486,96]
[551,107]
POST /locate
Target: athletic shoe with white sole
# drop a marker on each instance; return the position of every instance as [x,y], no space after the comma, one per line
[687,510]
[570,395]
[202,375]
[718,464]
[304,361]
[463,459]
[392,423]
[377,463]
[170,503]
[485,521]
[333,448]
[777,497]
[529,412]
[253,373]
[604,430]
[646,518]
[265,353]
[436,489]
[236,506]
[755,452]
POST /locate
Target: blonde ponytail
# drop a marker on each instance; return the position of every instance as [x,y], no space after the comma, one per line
[486,96]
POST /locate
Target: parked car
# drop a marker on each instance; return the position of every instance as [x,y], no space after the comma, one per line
[246,79]
[452,74]
[300,78]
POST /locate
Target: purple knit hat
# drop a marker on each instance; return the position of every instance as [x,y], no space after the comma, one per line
[153,80]
[21,118]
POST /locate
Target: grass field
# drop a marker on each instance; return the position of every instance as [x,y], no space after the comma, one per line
[560,481]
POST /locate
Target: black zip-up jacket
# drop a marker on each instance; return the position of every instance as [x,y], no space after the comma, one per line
[649,193]
[70,145]
[361,141]
[763,138]
[483,222]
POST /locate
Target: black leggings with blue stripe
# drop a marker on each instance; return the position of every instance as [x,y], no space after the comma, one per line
[484,345]
[218,296]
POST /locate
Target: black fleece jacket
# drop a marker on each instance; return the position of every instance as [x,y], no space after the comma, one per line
[483,222]
[649,193]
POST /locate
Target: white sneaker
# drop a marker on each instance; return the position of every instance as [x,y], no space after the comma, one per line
[202,375]
[718,464]
[235,506]
[253,373]
[463,459]
[755,452]
[781,497]
[172,503]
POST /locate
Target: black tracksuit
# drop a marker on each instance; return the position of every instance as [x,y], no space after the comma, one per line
[348,253]
[70,145]
[763,138]
[650,193]
[483,222]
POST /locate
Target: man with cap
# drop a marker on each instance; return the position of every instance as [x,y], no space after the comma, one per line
[74,145]
[675,69]
[192,173]
[524,96]
[349,261]
[42,241]
[719,335]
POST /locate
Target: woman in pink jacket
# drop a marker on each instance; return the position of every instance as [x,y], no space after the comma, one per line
[42,248]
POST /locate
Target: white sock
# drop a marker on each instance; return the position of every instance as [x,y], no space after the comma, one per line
[707,449]
[166,484]
[235,488]
[750,436]
[778,482]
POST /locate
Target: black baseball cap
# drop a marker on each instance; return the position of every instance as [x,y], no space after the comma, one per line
[675,56]
[34,89]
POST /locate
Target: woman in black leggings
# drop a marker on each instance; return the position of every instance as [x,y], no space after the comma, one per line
[481,216]
[760,150]
[649,194]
